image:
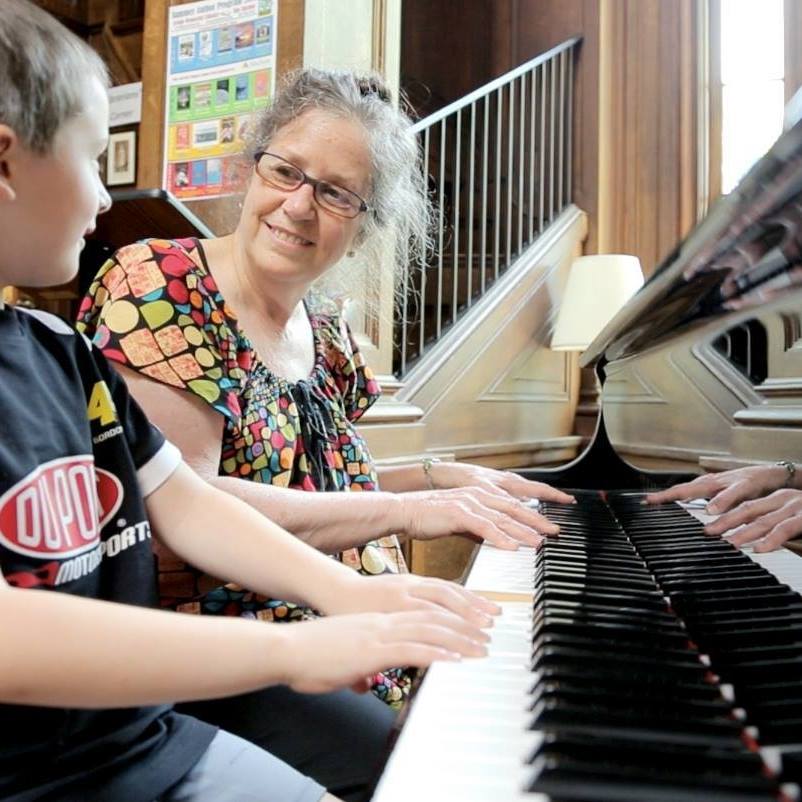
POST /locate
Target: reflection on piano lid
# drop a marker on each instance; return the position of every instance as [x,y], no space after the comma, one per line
[746,253]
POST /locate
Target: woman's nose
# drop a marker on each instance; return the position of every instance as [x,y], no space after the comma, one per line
[300,203]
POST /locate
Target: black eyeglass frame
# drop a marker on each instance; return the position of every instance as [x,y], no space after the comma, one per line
[313,182]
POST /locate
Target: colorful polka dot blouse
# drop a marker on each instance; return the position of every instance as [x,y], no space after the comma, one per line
[155,308]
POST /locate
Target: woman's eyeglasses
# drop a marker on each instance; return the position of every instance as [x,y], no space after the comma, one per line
[284,175]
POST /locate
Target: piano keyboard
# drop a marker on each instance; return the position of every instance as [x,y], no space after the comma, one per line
[604,684]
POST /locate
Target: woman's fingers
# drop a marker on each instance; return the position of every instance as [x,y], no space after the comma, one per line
[784,531]
[518,512]
[701,487]
[773,520]
[520,487]
[744,513]
[731,496]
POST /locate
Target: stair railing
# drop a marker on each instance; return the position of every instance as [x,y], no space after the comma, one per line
[498,163]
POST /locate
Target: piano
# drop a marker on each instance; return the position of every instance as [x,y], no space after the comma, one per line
[636,658]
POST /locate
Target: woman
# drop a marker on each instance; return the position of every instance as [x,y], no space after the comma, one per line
[224,346]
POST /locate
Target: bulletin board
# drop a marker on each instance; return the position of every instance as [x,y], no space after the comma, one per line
[220,214]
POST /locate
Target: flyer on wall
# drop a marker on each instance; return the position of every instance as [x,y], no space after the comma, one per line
[221,70]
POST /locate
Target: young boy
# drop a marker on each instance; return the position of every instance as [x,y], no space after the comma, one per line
[87,674]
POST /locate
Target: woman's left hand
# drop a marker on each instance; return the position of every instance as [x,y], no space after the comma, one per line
[388,593]
[771,521]
[462,474]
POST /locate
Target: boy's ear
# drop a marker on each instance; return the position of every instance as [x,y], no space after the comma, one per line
[8,144]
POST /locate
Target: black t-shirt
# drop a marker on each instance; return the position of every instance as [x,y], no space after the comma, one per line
[77,457]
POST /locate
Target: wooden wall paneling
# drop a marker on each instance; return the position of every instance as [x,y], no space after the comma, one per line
[539,27]
[647,127]
[450,48]
[219,214]
[714,101]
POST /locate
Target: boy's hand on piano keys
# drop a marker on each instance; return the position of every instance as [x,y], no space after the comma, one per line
[727,489]
[493,516]
[463,474]
[771,521]
[390,593]
[341,651]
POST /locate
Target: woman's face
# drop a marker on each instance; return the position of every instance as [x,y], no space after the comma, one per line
[287,236]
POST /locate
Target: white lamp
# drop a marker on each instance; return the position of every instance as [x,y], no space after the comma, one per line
[597,287]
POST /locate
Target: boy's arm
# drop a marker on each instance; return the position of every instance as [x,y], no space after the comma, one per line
[225,537]
[66,651]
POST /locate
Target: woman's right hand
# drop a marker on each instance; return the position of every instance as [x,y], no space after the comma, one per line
[496,518]
[342,651]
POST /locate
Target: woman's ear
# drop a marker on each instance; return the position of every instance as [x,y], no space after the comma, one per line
[8,144]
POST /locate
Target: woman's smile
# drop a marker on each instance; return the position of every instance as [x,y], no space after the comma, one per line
[286,237]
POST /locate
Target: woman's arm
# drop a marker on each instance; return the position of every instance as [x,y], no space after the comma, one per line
[444,475]
[224,537]
[332,522]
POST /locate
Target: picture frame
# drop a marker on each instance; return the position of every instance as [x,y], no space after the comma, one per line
[121,159]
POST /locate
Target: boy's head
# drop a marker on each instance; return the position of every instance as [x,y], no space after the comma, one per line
[53,129]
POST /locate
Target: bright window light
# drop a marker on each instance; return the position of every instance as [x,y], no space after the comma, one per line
[752,76]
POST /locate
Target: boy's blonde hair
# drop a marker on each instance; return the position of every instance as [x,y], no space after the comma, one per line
[44,71]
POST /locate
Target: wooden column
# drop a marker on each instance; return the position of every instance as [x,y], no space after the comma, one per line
[647,126]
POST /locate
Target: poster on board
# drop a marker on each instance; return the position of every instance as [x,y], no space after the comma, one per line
[220,71]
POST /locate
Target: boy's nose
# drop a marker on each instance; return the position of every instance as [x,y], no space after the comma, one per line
[104,200]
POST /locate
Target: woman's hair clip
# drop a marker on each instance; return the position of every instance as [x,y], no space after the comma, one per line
[371,86]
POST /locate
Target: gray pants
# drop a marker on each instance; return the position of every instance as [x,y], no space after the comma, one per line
[339,739]
[234,770]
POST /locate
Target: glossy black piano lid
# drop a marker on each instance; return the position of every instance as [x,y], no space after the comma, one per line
[746,253]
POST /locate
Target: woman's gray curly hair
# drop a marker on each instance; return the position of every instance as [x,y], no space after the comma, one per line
[398,221]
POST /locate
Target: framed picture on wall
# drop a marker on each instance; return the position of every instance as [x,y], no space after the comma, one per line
[121,159]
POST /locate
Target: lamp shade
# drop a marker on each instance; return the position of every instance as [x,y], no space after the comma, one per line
[597,287]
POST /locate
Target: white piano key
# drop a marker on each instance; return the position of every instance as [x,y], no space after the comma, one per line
[503,571]
[466,735]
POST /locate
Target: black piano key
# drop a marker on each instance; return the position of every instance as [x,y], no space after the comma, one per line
[649,759]
[646,704]
[691,690]
[635,724]
[780,690]
[587,782]
[661,611]
[619,629]
[612,661]
[738,581]
[791,771]
[619,647]
[612,598]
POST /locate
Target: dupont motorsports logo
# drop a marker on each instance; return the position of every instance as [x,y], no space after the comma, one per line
[59,509]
